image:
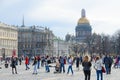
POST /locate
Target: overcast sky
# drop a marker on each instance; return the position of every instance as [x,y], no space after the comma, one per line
[61,16]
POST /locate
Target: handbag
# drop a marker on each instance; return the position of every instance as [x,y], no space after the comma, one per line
[103,69]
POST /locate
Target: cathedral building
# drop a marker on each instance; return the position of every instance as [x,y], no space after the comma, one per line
[83,28]
[83,31]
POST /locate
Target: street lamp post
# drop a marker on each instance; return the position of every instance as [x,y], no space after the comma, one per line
[69,50]
[58,48]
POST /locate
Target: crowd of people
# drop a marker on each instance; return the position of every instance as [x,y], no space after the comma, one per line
[98,62]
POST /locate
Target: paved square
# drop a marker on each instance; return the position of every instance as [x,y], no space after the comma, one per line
[6,74]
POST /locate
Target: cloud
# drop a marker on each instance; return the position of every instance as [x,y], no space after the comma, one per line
[106,12]
[62,15]
[51,12]
[6,3]
[104,27]
[69,10]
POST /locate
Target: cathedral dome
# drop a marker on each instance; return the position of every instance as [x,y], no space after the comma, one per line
[83,28]
[83,20]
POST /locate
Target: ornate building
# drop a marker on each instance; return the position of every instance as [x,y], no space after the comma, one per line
[83,31]
[8,40]
[35,40]
[83,28]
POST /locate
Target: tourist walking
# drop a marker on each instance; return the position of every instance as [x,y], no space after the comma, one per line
[70,63]
[20,60]
[27,62]
[38,63]
[62,65]
[47,69]
[77,62]
[98,67]
[107,63]
[86,67]
[35,65]
[110,64]
[13,65]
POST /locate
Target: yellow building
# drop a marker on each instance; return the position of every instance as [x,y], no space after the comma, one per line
[8,40]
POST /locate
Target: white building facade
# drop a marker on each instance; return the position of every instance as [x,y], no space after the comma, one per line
[61,48]
[8,40]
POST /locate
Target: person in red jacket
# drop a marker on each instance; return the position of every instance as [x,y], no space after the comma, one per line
[27,62]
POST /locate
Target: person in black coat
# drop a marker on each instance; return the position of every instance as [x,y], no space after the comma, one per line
[86,67]
[13,65]
[110,64]
[77,62]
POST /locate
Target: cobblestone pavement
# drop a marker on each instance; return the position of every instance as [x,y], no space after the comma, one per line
[6,74]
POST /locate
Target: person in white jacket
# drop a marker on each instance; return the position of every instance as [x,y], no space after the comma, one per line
[70,62]
[35,65]
[98,68]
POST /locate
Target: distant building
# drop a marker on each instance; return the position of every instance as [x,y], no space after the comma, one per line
[70,38]
[34,40]
[83,31]
[8,40]
[83,28]
[61,47]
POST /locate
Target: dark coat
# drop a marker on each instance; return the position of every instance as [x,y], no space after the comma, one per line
[86,65]
[77,61]
[13,63]
[106,60]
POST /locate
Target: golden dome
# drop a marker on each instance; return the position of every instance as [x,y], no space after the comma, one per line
[83,20]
